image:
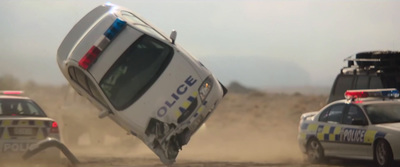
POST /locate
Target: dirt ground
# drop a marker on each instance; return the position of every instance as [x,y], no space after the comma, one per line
[251,129]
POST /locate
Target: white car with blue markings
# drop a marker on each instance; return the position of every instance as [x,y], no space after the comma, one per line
[366,126]
[23,123]
[139,78]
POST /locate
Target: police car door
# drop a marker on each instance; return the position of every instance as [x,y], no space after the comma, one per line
[352,132]
[328,131]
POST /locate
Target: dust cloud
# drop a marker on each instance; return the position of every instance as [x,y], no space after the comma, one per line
[245,127]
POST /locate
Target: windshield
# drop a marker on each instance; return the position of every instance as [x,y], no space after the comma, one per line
[20,107]
[383,113]
[135,71]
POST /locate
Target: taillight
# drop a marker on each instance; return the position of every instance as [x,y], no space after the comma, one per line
[90,57]
[54,127]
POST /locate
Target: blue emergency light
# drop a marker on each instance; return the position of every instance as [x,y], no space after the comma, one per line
[115,28]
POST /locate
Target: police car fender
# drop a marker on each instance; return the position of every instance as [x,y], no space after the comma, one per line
[180,90]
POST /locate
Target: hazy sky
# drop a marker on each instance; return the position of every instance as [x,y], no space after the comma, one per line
[314,36]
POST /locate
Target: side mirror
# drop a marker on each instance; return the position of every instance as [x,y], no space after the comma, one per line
[173,36]
[359,121]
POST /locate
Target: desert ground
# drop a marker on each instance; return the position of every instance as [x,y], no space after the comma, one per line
[248,129]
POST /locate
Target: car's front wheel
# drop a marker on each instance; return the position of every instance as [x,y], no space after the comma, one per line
[315,152]
[383,154]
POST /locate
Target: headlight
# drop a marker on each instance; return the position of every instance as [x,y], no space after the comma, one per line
[205,88]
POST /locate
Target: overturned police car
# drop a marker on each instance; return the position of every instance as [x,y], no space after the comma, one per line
[139,78]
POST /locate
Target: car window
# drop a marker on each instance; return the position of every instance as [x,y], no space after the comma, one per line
[135,71]
[95,92]
[324,115]
[80,78]
[33,109]
[20,107]
[383,113]
[354,113]
[362,82]
[336,114]
[332,114]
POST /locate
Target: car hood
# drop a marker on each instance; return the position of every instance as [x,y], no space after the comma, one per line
[174,91]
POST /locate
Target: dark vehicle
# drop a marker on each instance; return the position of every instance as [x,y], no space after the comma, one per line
[368,70]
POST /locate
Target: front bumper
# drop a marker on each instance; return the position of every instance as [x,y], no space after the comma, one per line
[167,139]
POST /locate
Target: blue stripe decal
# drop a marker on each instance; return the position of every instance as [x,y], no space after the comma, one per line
[320,128]
[380,135]
[337,137]
[326,137]
[331,130]
[191,99]
[304,126]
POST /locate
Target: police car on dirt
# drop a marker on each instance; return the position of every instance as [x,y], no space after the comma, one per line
[139,78]
[23,123]
[366,125]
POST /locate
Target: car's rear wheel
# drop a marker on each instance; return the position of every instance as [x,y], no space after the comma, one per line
[383,154]
[315,152]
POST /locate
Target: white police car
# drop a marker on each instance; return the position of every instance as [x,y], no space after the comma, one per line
[139,78]
[23,123]
[364,126]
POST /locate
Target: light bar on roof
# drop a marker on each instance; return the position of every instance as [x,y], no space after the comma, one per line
[11,92]
[91,56]
[383,93]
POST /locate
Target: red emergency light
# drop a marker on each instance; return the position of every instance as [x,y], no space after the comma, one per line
[11,92]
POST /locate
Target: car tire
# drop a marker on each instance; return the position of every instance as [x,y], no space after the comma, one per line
[315,152]
[383,154]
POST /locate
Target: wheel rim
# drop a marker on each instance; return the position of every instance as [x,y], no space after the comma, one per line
[313,150]
[381,153]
